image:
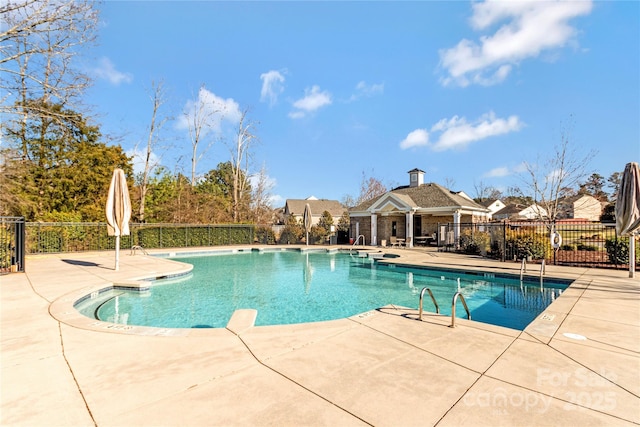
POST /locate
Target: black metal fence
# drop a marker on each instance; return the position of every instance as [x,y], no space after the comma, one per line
[76,237]
[592,244]
[12,244]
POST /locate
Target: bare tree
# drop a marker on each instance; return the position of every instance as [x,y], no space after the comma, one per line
[261,197]
[556,177]
[240,153]
[201,120]
[39,40]
[370,188]
[158,98]
[486,192]
[449,182]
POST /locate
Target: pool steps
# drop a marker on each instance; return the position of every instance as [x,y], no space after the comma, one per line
[241,320]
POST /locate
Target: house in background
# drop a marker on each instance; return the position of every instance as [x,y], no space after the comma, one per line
[494,205]
[518,211]
[413,211]
[295,208]
[582,206]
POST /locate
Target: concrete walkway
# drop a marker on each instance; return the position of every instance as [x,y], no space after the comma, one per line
[578,363]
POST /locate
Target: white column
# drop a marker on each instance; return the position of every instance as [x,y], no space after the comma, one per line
[632,255]
[410,227]
[374,229]
[456,226]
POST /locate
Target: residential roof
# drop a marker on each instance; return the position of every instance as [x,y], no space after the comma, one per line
[510,209]
[488,202]
[429,195]
[296,207]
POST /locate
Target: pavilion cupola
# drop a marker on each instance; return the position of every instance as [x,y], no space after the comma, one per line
[416,177]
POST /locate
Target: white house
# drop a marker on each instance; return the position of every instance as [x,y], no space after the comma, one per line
[518,211]
[494,205]
[582,206]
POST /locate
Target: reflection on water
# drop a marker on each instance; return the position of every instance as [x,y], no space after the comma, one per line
[295,287]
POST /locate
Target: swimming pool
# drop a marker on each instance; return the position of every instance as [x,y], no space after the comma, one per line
[288,287]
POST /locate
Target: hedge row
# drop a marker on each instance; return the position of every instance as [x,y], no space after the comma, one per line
[72,237]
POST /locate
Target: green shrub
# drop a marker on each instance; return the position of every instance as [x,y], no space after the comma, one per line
[474,243]
[317,235]
[618,250]
[526,246]
[292,231]
[192,236]
[568,247]
[584,247]
[289,235]
[265,235]
[50,241]
[497,249]
[5,251]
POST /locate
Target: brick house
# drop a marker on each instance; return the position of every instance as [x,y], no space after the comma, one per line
[295,208]
[413,211]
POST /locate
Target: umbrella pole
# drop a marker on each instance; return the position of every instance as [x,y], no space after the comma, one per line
[117,253]
[632,255]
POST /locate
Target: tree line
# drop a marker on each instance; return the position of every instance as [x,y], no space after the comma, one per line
[55,163]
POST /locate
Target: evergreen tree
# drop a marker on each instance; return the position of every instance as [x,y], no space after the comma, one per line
[64,170]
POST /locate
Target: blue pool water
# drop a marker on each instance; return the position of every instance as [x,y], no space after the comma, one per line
[294,287]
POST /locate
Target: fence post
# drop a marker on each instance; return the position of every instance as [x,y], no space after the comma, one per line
[504,240]
[20,243]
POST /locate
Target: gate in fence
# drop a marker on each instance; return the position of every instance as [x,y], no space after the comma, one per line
[580,243]
[12,244]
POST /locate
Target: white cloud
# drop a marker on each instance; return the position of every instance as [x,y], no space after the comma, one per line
[498,172]
[416,138]
[209,105]
[458,133]
[272,86]
[522,167]
[313,100]
[365,90]
[531,27]
[503,171]
[276,200]
[139,156]
[106,70]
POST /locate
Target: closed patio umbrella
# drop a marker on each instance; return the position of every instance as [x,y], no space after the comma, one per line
[118,210]
[306,219]
[628,209]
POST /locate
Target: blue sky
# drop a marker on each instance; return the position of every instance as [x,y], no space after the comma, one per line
[466,91]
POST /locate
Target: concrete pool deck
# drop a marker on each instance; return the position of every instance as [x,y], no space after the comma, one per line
[382,368]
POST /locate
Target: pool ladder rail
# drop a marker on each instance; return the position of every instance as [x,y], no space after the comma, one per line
[523,269]
[453,308]
[135,248]
[432,299]
[356,242]
[453,305]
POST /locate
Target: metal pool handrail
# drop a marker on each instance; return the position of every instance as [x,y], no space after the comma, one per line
[432,299]
[453,308]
